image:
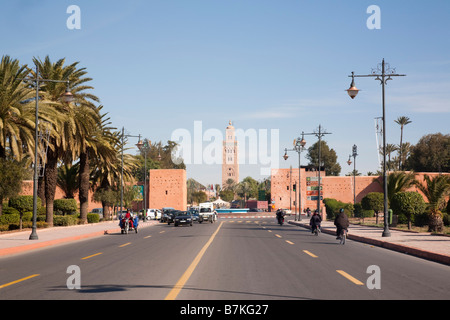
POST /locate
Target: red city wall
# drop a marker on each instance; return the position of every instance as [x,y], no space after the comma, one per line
[339,188]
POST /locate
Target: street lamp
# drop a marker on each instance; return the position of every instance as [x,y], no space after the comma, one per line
[383,73]
[144,147]
[121,172]
[66,97]
[319,134]
[354,154]
[299,147]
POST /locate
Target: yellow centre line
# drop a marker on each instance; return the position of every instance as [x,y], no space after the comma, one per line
[17,281]
[310,254]
[349,277]
[290,242]
[277,235]
[88,257]
[147,237]
[186,275]
[162,231]
[124,245]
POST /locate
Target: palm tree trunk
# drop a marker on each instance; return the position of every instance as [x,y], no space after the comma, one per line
[401,149]
[41,190]
[84,186]
[51,174]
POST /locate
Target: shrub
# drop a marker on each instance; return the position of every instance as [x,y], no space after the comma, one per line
[23,203]
[93,217]
[13,218]
[332,207]
[373,201]
[64,221]
[409,204]
[10,210]
[65,206]
[446,218]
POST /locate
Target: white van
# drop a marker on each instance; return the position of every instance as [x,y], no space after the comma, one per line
[153,214]
[207,212]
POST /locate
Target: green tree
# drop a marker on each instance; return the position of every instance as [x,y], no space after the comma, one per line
[435,189]
[398,181]
[373,201]
[199,197]
[65,206]
[67,179]
[17,116]
[23,204]
[328,158]
[71,132]
[430,154]
[11,177]
[227,195]
[409,204]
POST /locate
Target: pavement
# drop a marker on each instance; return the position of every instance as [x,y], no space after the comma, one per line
[424,245]
[12,243]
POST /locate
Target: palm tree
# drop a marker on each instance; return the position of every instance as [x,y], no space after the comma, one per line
[398,181]
[68,138]
[435,190]
[390,148]
[230,184]
[402,121]
[244,188]
[17,116]
[108,167]
[68,179]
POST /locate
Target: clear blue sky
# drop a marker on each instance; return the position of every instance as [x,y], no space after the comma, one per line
[280,65]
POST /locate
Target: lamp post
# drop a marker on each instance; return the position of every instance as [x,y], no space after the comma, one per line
[66,97]
[383,73]
[354,154]
[299,146]
[319,134]
[121,172]
[144,147]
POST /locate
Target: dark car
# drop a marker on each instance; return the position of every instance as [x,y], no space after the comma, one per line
[171,216]
[166,214]
[194,213]
[182,217]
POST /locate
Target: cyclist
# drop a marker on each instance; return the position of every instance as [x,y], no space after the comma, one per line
[315,221]
[341,222]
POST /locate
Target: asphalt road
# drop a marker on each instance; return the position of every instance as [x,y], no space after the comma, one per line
[241,259]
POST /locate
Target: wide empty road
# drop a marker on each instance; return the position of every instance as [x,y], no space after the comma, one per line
[233,259]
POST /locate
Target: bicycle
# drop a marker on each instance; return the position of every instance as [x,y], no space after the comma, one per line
[343,236]
[316,231]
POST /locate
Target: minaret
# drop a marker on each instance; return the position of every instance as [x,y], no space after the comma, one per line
[230,157]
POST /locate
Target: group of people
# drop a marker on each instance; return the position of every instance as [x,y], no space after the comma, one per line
[341,222]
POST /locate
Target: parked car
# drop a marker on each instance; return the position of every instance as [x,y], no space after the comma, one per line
[287,212]
[98,211]
[182,217]
[152,214]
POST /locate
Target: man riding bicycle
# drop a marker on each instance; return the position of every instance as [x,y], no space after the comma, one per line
[315,221]
[341,222]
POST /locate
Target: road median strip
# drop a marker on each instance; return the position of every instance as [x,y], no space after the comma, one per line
[187,274]
[349,277]
[17,281]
